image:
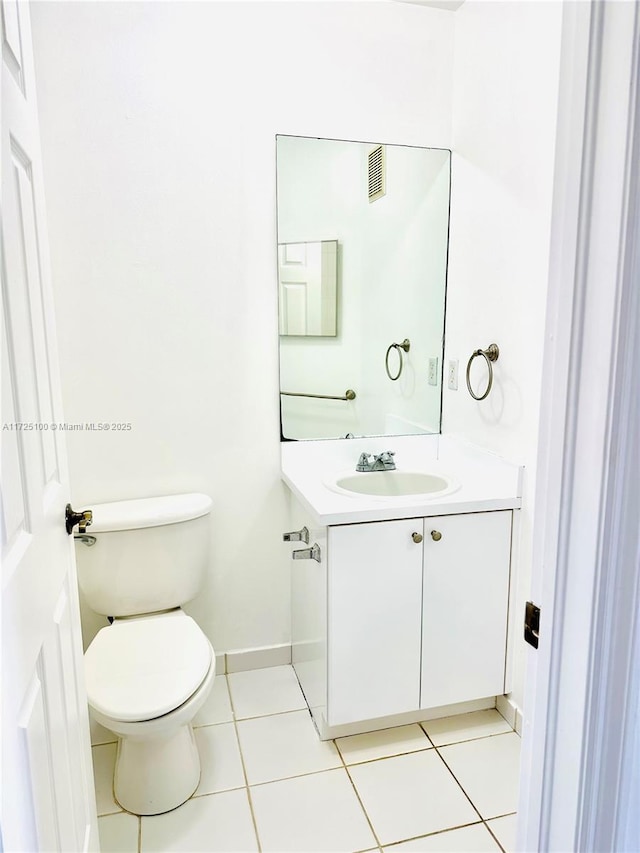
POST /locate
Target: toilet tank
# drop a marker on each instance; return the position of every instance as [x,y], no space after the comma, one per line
[149,554]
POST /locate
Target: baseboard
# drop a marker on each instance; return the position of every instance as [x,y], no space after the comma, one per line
[327,732]
[240,660]
[508,709]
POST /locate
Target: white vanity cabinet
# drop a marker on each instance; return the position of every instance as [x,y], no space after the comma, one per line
[416,613]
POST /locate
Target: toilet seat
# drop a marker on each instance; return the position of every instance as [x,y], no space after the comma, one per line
[144,667]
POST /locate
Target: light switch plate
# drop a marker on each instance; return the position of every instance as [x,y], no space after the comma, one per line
[452,374]
[433,371]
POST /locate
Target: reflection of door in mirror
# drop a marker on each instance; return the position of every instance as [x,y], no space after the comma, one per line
[308,278]
[392,261]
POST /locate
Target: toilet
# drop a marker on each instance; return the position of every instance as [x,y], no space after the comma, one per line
[150,671]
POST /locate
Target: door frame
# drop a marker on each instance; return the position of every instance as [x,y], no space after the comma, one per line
[582,697]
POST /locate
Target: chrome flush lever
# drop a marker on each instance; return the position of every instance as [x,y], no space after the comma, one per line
[312,553]
[85,538]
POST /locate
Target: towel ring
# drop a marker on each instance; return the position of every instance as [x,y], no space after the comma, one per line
[489,354]
[406,346]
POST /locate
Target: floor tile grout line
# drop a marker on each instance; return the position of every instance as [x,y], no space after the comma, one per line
[459,783]
[211,725]
[303,707]
[500,816]
[385,757]
[494,836]
[244,769]
[463,789]
[250,800]
[196,796]
[434,834]
[385,728]
[272,714]
[295,776]
[119,811]
[472,739]
[355,790]
[426,734]
[429,745]
[139,834]
[113,781]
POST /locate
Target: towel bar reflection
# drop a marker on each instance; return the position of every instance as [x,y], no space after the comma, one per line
[406,346]
[349,394]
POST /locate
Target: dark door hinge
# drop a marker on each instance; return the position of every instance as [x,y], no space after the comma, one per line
[532,623]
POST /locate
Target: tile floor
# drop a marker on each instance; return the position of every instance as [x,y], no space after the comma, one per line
[268,783]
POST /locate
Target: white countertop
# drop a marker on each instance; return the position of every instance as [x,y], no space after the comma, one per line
[486,481]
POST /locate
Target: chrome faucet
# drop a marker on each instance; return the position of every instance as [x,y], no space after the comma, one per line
[381,462]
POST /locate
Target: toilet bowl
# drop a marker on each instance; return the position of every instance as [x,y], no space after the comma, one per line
[147,678]
[151,670]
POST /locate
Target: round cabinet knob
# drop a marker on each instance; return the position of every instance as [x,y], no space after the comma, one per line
[417,537]
[436,535]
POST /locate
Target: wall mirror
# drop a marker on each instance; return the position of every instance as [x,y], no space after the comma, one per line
[361,343]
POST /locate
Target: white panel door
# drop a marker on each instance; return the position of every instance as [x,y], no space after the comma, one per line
[300,276]
[374,604]
[48,802]
[465,604]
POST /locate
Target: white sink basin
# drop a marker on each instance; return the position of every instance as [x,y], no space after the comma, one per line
[392,484]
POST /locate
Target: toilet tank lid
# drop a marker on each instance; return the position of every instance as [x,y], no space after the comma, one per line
[147,512]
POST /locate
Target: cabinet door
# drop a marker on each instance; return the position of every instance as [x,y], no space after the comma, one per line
[465,601]
[374,604]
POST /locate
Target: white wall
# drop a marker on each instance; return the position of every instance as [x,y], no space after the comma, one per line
[504,118]
[158,129]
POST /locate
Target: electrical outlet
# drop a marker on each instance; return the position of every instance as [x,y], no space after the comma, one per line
[433,371]
[452,374]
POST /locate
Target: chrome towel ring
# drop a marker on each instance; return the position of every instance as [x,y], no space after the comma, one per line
[489,354]
[406,346]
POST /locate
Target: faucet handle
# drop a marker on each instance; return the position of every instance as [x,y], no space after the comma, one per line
[385,461]
[363,463]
